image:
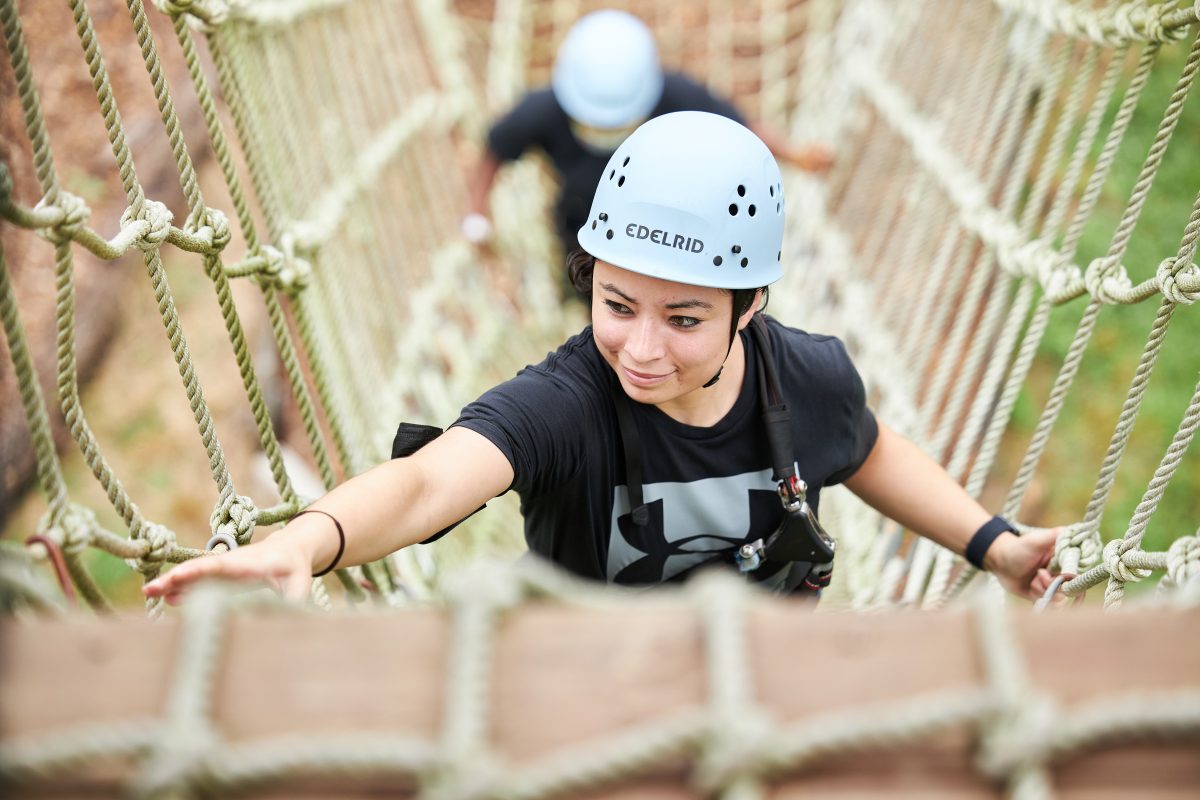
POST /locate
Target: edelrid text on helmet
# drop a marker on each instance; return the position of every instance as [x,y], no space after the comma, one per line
[665,238]
[691,197]
[607,74]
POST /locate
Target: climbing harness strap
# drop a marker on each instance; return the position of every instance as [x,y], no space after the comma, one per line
[799,543]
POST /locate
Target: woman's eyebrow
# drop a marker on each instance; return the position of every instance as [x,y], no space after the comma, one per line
[671,306]
[610,288]
[690,304]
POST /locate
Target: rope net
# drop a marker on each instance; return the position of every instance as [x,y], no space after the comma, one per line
[976,245]
[471,703]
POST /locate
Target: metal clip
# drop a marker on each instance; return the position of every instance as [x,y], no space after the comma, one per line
[749,556]
[793,490]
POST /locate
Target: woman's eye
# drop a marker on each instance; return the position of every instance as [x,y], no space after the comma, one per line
[617,308]
[684,322]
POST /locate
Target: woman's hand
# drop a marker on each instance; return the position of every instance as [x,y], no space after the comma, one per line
[281,562]
[814,157]
[1020,562]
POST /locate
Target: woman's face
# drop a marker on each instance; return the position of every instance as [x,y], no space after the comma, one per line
[664,340]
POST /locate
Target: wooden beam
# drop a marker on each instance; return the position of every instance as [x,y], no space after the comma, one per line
[564,678]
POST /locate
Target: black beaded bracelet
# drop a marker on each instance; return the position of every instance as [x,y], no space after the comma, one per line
[341,539]
[978,546]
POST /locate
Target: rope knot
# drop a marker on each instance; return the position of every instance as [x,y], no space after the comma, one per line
[1011,251]
[1114,552]
[158,220]
[203,14]
[75,213]
[286,271]
[1153,21]
[1059,278]
[1020,738]
[1124,20]
[733,750]
[471,776]
[215,227]
[235,516]
[1106,280]
[1183,560]
[160,541]
[1080,545]
[71,526]
[1042,261]
[1170,270]
[179,767]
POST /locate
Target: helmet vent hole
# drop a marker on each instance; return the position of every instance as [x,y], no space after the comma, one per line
[771,189]
[611,174]
[779,256]
[737,248]
[745,262]
[621,181]
[608,234]
[593,224]
[751,210]
[626,162]
[741,191]
[717,261]
[604,216]
[778,206]
[733,209]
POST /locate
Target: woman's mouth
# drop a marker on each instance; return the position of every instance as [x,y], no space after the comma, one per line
[643,380]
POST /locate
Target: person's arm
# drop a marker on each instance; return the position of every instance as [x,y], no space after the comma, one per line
[901,482]
[809,156]
[477,224]
[396,504]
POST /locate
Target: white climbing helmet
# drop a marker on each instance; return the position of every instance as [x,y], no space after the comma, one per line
[607,73]
[690,197]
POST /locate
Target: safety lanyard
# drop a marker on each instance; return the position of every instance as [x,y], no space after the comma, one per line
[775,414]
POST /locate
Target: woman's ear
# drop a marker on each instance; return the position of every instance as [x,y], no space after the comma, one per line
[749,313]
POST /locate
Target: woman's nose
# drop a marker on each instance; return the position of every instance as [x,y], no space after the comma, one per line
[645,342]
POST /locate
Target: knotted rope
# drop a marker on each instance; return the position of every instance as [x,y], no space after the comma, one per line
[157,218]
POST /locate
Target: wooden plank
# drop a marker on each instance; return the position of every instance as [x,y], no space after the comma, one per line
[565,678]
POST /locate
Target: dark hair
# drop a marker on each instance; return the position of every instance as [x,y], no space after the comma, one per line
[581,263]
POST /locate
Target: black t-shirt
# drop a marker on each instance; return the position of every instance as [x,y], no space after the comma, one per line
[708,489]
[539,121]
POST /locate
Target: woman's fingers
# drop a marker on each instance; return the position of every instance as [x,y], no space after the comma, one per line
[1041,582]
[249,563]
[296,587]
[173,579]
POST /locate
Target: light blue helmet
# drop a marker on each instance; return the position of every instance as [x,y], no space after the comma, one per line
[690,197]
[607,73]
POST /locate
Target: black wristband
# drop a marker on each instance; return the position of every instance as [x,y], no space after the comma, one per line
[341,539]
[978,546]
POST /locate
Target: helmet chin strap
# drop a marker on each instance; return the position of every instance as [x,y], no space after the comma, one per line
[732,335]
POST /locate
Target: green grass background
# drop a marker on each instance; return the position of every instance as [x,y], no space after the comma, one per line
[1072,462]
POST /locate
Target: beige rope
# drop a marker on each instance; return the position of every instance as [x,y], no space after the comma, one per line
[733,742]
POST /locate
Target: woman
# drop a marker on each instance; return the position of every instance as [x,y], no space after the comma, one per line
[640,447]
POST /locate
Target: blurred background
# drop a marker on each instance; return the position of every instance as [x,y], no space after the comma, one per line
[357,127]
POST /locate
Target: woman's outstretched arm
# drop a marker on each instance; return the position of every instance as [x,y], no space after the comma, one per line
[903,483]
[396,504]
